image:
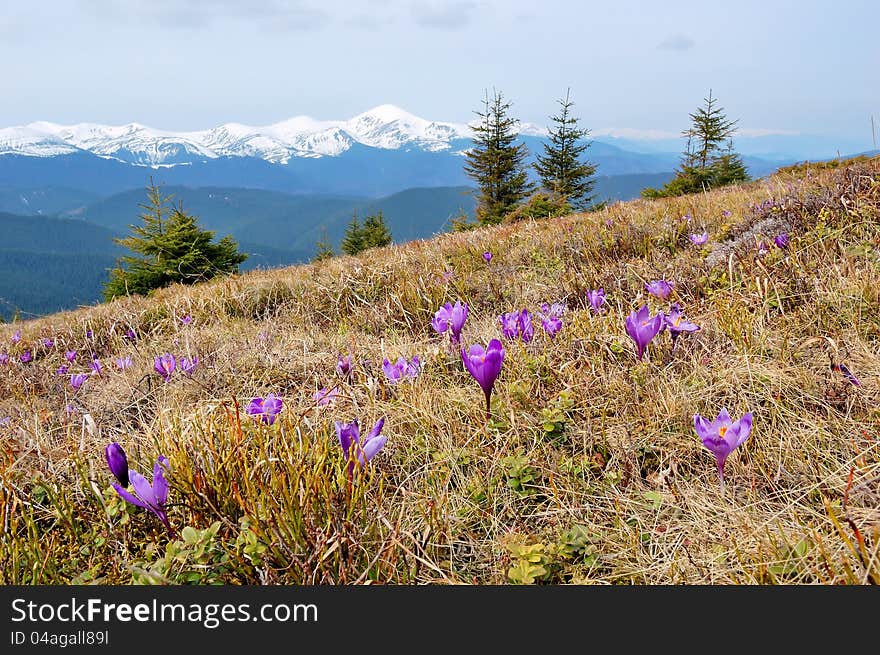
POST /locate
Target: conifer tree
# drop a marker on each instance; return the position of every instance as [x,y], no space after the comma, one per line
[353,241]
[323,248]
[560,168]
[171,248]
[705,164]
[496,162]
[375,232]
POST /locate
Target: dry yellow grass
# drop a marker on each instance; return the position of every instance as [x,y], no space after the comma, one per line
[610,484]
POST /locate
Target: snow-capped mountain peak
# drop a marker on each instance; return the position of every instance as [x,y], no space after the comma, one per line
[385,126]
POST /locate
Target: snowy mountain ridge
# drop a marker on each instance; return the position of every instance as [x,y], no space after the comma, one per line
[386,127]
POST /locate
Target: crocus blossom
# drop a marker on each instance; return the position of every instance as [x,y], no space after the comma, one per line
[781,240]
[117,461]
[266,408]
[48,343]
[359,451]
[164,365]
[485,365]
[550,318]
[487,256]
[596,298]
[16,337]
[4,358]
[343,365]
[123,363]
[152,497]
[325,396]
[642,328]
[451,317]
[699,239]
[70,355]
[96,366]
[659,288]
[77,380]
[401,369]
[130,334]
[722,436]
[674,322]
[62,370]
[842,369]
[26,356]
[188,366]
[186,320]
[509,324]
[519,324]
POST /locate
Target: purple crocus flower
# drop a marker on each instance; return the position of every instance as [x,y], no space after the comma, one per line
[524,323]
[77,379]
[70,355]
[642,328]
[596,298]
[674,322]
[130,334]
[96,366]
[117,461]
[325,396]
[722,436]
[188,366]
[186,320]
[356,450]
[401,369]
[841,368]
[165,365]
[5,420]
[26,356]
[509,324]
[123,363]
[451,317]
[4,358]
[726,213]
[152,497]
[487,256]
[48,343]
[781,240]
[62,370]
[659,288]
[16,337]
[550,318]
[266,408]
[484,365]
[699,239]
[552,325]
[343,365]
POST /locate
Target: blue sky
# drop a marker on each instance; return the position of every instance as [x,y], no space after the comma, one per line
[808,67]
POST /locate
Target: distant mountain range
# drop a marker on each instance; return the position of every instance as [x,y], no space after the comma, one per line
[277,189]
[377,153]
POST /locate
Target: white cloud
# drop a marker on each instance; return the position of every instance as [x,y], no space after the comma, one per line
[635,134]
[680,42]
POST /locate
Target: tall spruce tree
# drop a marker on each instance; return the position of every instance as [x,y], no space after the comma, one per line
[706,163]
[563,174]
[171,248]
[496,162]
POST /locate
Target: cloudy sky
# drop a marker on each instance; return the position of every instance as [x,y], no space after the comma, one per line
[808,66]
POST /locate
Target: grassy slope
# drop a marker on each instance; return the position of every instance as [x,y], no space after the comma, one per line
[618,490]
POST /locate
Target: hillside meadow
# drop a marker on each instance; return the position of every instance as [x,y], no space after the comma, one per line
[589,469]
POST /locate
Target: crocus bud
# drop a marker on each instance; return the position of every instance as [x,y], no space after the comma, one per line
[118,462]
